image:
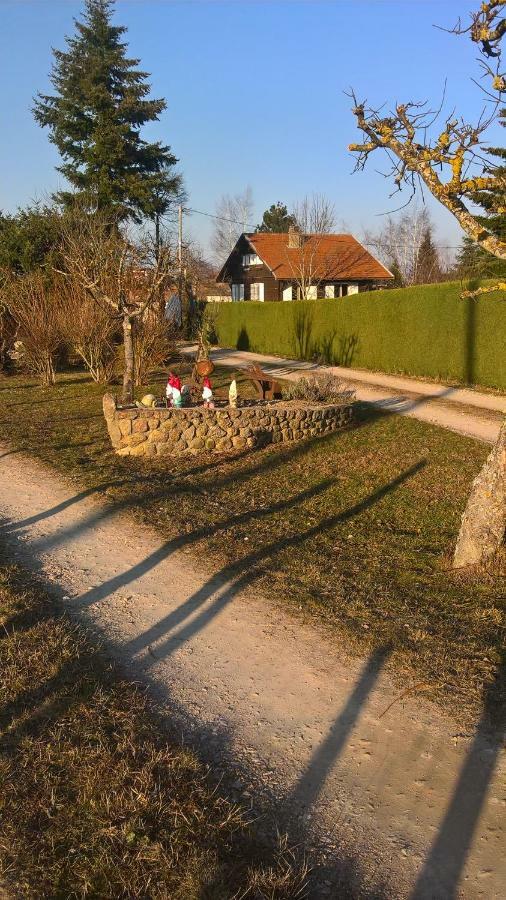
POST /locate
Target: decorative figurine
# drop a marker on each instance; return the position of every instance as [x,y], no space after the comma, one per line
[207,393]
[232,394]
[173,390]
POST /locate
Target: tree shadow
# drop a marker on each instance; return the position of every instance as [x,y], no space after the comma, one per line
[442,870]
[303,329]
[243,339]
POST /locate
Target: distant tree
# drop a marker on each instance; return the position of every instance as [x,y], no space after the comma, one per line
[29,238]
[233,215]
[276,219]
[428,263]
[95,119]
[315,214]
[406,244]
[475,263]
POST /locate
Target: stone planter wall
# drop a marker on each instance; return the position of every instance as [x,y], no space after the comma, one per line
[152,432]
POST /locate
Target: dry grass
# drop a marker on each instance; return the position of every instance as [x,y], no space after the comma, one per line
[95,802]
[354,530]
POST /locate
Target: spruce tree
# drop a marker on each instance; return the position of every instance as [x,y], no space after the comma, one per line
[428,266]
[95,119]
[276,219]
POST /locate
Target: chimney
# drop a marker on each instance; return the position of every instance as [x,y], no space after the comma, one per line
[294,238]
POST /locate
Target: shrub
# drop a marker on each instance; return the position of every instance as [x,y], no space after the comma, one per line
[154,342]
[34,303]
[90,331]
[322,387]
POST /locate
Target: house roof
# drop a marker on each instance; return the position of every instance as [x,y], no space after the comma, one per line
[330,257]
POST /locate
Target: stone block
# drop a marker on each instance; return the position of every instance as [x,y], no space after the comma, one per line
[198,443]
[154,423]
[224,444]
[210,443]
[239,442]
[188,434]
[135,439]
[114,432]
[125,426]
[139,425]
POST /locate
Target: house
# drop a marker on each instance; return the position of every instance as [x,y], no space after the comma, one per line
[291,266]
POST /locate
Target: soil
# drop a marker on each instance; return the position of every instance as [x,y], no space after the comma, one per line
[357,767]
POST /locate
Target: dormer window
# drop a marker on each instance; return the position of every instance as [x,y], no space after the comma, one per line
[251,259]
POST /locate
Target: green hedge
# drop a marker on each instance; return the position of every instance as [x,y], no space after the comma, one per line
[425,330]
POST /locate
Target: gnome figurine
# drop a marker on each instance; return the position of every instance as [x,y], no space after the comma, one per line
[207,394]
[232,394]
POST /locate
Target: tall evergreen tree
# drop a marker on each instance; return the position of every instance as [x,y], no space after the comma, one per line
[276,219]
[95,119]
[428,265]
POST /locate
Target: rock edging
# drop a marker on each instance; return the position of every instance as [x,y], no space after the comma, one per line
[156,432]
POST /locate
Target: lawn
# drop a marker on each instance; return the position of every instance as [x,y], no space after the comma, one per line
[353,531]
[95,801]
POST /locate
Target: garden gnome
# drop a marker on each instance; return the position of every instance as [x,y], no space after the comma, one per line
[232,394]
[173,390]
[207,393]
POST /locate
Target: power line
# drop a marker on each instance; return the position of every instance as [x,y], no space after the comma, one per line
[214,216]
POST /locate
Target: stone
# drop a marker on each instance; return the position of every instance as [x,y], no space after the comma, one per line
[114,432]
[135,439]
[123,451]
[139,425]
[188,433]
[149,449]
[224,444]
[127,413]
[210,444]
[202,429]
[239,442]
[125,426]
[198,443]
[245,432]
[153,423]
[138,449]
[109,406]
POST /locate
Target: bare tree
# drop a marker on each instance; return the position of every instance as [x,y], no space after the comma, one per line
[234,215]
[315,214]
[124,277]
[34,302]
[154,342]
[454,166]
[401,242]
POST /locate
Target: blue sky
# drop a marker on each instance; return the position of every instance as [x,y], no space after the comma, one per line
[254,92]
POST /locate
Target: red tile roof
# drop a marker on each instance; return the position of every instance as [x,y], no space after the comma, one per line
[328,257]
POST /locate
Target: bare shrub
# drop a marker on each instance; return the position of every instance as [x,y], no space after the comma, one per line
[34,301]
[90,331]
[322,387]
[154,342]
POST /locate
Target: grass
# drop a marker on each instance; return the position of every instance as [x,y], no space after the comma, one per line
[95,802]
[353,531]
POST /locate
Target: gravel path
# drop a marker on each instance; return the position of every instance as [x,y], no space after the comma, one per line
[472,413]
[418,801]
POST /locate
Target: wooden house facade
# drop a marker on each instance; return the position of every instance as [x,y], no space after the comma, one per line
[291,266]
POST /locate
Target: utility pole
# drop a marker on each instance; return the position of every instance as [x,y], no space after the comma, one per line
[180,255]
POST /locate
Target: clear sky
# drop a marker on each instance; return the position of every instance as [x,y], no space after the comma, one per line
[255,93]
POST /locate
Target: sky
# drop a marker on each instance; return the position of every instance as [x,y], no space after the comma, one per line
[255,93]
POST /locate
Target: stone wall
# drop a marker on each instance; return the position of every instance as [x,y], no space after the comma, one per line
[152,432]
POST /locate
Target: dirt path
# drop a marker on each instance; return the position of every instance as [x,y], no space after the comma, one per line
[466,411]
[420,802]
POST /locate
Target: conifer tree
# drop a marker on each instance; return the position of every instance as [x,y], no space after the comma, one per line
[276,219]
[95,119]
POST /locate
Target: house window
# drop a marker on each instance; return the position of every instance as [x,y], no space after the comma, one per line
[352,289]
[257,290]
[311,292]
[288,293]
[237,292]
[330,291]
[251,259]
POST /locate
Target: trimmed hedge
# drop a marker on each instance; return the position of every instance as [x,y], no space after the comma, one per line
[425,330]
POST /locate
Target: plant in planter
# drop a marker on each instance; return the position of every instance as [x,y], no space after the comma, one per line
[322,387]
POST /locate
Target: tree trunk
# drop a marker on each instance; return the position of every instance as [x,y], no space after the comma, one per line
[128,346]
[484,519]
